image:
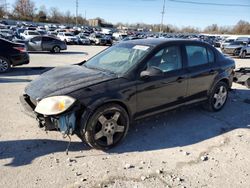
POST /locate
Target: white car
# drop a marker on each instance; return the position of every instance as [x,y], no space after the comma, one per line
[69,38]
[28,34]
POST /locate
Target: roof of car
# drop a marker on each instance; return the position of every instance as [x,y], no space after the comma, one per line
[157,41]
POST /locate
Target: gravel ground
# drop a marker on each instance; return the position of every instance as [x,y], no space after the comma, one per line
[184,148]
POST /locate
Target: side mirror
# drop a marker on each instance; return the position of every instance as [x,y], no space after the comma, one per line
[151,72]
[81,63]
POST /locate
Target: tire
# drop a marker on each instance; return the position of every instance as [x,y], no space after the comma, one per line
[247,83]
[217,98]
[4,65]
[56,49]
[243,54]
[106,127]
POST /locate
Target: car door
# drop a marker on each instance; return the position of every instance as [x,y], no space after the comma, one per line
[166,89]
[201,70]
[35,44]
[47,43]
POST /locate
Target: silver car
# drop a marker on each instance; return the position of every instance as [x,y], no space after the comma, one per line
[45,43]
[238,48]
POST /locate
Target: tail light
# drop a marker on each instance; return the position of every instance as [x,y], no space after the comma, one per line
[20,48]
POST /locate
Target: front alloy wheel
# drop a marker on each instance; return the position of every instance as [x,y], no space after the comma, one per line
[107,127]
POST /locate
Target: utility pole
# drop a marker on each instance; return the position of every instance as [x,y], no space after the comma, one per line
[76,12]
[162,17]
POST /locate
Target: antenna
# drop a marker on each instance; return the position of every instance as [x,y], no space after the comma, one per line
[162,13]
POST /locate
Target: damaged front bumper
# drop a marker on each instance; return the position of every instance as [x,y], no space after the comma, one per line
[65,122]
[242,76]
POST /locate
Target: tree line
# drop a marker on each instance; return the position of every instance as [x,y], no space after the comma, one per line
[25,10]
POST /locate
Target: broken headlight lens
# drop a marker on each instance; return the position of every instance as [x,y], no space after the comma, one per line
[54,105]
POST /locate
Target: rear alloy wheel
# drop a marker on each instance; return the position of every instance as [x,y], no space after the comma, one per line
[218,97]
[56,49]
[107,127]
[4,65]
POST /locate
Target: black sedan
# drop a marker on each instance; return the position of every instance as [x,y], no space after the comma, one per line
[12,54]
[99,99]
[45,43]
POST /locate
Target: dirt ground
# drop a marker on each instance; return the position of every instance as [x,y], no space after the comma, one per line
[185,148]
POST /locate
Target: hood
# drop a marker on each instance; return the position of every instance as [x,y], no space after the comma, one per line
[64,80]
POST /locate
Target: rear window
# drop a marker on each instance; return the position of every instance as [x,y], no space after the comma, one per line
[197,55]
[211,56]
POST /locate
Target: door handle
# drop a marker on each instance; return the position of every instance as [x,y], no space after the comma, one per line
[180,79]
[212,72]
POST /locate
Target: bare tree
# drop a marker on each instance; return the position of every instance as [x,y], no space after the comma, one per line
[42,14]
[2,12]
[212,29]
[24,10]
[55,15]
[242,27]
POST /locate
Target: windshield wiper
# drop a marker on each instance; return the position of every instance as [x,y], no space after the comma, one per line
[101,69]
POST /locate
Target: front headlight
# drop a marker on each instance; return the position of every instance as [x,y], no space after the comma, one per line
[54,105]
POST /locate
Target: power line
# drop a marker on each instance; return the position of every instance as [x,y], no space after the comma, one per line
[213,4]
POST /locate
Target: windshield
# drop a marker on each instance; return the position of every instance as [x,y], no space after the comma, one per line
[118,59]
[68,35]
[229,40]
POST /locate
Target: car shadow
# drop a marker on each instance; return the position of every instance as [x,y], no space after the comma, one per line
[33,148]
[187,126]
[61,53]
[179,128]
[25,71]
[13,80]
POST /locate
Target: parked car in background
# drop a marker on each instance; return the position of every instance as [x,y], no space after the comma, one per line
[108,38]
[45,43]
[83,39]
[42,32]
[97,39]
[28,34]
[99,99]
[238,48]
[7,34]
[68,38]
[12,54]
[226,42]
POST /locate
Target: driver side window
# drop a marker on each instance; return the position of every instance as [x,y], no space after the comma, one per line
[167,59]
[36,39]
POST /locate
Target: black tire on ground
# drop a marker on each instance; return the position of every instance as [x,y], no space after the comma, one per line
[56,49]
[247,83]
[243,54]
[4,65]
[217,98]
[106,127]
